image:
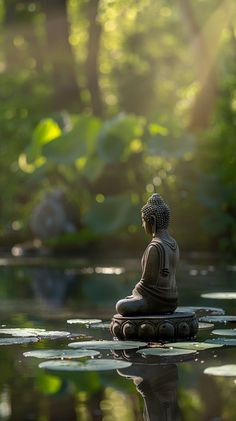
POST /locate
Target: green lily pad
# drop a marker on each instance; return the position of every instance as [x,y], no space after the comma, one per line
[83,321]
[220,295]
[205,326]
[30,332]
[223,341]
[53,334]
[219,319]
[60,353]
[91,365]
[228,370]
[166,352]
[104,325]
[202,311]
[17,341]
[22,332]
[108,344]
[224,332]
[197,346]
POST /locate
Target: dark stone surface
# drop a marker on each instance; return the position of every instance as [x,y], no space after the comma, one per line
[163,327]
[156,292]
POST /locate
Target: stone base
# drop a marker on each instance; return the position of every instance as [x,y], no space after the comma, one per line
[163,327]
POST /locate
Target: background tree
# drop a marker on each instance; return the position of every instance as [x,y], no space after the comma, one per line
[161,76]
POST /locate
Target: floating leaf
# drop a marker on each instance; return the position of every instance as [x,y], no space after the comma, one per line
[219,319]
[197,346]
[202,311]
[108,344]
[228,370]
[104,325]
[166,352]
[60,353]
[22,332]
[17,341]
[205,326]
[83,321]
[40,333]
[223,341]
[53,334]
[92,365]
[220,295]
[224,332]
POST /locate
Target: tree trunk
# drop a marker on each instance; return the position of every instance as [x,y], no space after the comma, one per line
[11,29]
[59,55]
[92,57]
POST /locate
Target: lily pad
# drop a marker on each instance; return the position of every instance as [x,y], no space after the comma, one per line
[220,295]
[104,325]
[224,332]
[223,341]
[108,344]
[17,341]
[60,353]
[166,352]
[205,326]
[202,311]
[228,370]
[197,346]
[219,319]
[91,365]
[83,321]
[22,332]
[53,334]
[30,332]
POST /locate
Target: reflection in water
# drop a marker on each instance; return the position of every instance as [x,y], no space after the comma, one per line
[50,286]
[158,386]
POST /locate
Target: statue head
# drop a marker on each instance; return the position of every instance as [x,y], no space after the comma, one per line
[155,214]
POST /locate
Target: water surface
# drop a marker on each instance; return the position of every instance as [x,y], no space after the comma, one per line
[45,297]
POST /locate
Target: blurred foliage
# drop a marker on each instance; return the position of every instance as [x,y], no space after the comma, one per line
[111,101]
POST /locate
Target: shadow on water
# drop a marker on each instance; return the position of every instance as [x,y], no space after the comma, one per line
[45,297]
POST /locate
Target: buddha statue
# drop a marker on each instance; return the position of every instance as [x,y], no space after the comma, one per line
[156,292]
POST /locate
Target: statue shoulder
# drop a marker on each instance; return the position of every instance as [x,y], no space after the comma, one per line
[162,243]
[154,250]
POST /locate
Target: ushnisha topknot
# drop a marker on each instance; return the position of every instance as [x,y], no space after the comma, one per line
[156,206]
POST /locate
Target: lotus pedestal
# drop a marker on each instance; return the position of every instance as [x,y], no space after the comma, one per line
[163,327]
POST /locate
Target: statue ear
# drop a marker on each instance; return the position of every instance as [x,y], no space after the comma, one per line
[153,224]
[153,220]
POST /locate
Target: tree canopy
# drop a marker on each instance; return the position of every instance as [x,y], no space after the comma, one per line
[110,101]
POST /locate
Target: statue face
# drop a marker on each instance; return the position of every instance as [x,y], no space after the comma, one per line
[146,225]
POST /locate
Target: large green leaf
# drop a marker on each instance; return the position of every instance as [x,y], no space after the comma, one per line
[93,168]
[45,132]
[169,147]
[111,215]
[116,135]
[74,144]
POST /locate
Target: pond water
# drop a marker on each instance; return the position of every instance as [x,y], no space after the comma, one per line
[158,388]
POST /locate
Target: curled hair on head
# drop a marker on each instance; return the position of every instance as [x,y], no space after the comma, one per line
[156,207]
